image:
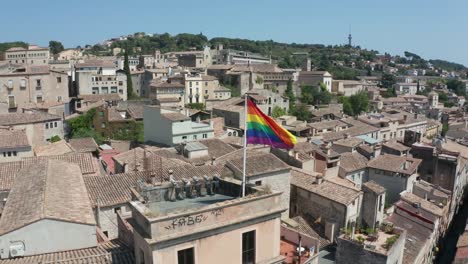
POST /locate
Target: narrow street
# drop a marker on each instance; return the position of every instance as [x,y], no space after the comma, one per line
[448,244]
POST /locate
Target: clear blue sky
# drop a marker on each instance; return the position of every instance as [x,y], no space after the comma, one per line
[430,28]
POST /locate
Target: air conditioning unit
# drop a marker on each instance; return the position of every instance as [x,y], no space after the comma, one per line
[17,250]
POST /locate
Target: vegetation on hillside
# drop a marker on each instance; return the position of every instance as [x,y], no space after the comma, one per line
[6,45]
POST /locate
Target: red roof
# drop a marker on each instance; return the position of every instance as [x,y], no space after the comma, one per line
[106,156]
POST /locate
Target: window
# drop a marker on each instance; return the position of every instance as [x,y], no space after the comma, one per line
[15,153]
[103,125]
[205,136]
[10,83]
[120,83]
[55,124]
[39,99]
[101,113]
[184,137]
[248,247]
[194,136]
[95,90]
[380,202]
[113,89]
[38,83]
[47,126]
[206,91]
[23,83]
[190,84]
[258,183]
[104,90]
[186,256]
[59,79]
[117,210]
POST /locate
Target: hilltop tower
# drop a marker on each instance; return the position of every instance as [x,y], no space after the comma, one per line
[350,38]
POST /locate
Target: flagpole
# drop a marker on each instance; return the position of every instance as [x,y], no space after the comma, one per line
[244,162]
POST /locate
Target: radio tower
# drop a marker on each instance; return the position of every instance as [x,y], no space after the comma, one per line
[350,38]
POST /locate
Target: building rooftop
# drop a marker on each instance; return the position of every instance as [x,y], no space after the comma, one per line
[258,163]
[374,187]
[393,163]
[349,142]
[13,139]
[96,63]
[12,119]
[429,207]
[38,193]
[87,163]
[396,146]
[327,189]
[61,147]
[113,251]
[8,172]
[166,207]
[174,117]
[351,162]
[327,124]
[84,144]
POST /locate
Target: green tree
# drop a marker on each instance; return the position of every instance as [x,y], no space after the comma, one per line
[278,111]
[388,80]
[55,47]
[55,139]
[456,86]
[347,107]
[130,94]
[301,112]
[290,94]
[359,102]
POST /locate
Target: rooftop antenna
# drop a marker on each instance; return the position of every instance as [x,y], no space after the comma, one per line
[350,38]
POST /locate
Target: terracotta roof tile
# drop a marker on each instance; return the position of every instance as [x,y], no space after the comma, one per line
[351,162]
[84,144]
[13,139]
[38,193]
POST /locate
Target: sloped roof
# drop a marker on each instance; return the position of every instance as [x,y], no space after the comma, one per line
[352,161]
[57,148]
[113,251]
[84,144]
[13,139]
[26,118]
[327,189]
[394,163]
[47,190]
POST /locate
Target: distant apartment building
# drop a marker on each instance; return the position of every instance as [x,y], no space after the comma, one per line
[32,55]
[133,63]
[230,56]
[100,77]
[315,78]
[30,86]
[170,127]
[409,88]
[167,93]
[147,62]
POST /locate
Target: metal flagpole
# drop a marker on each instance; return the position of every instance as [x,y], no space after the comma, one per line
[244,162]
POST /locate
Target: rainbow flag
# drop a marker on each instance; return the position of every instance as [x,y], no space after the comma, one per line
[262,129]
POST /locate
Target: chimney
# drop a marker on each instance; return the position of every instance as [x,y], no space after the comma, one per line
[171,172]
[213,160]
[318,179]
[346,135]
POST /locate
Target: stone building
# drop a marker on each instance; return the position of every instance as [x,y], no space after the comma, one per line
[39,217]
[167,93]
[40,127]
[373,204]
[33,86]
[14,145]
[219,225]
[315,78]
[334,203]
[100,77]
[353,166]
[32,55]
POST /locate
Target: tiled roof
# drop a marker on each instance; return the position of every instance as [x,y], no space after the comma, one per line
[257,163]
[349,142]
[13,139]
[396,146]
[352,162]
[57,148]
[47,190]
[425,204]
[86,161]
[416,237]
[327,124]
[374,187]
[175,117]
[394,163]
[208,78]
[26,118]
[136,111]
[84,144]
[111,252]
[96,63]
[8,172]
[120,145]
[327,189]
[99,97]
[358,128]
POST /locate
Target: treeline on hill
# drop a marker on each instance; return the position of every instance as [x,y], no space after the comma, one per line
[287,55]
[6,45]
